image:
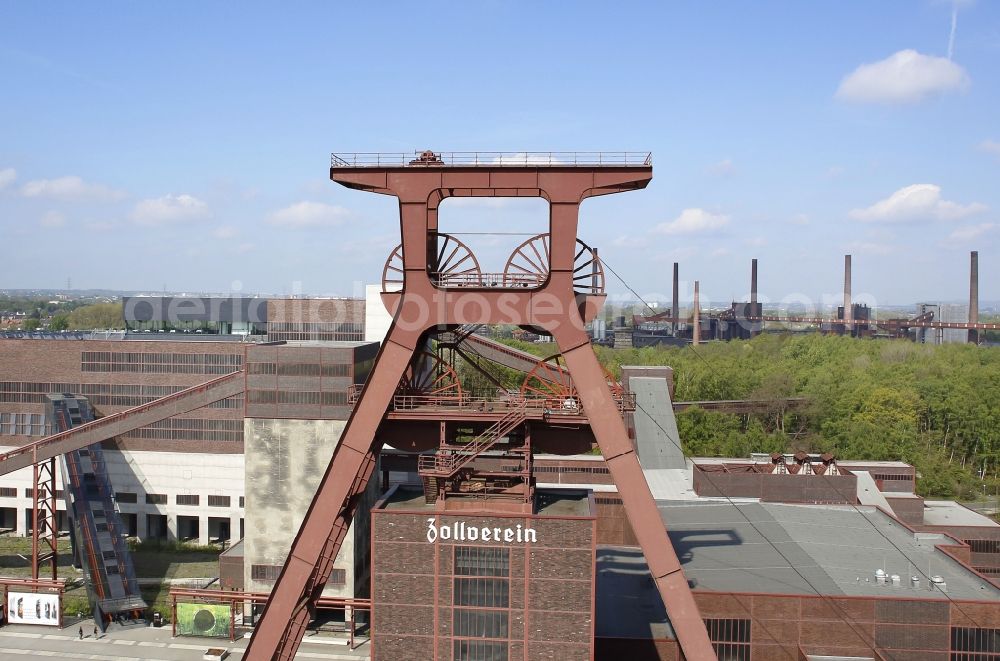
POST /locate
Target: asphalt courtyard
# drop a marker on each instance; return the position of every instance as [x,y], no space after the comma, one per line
[26,642]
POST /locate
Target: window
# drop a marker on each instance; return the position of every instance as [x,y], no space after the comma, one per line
[8,492]
[156,499]
[478,623]
[218,501]
[126,497]
[187,499]
[337,577]
[973,644]
[730,638]
[241,502]
[481,591]
[984,545]
[265,573]
[480,650]
[481,561]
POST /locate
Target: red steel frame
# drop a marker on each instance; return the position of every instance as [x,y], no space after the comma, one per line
[420,307]
[45,522]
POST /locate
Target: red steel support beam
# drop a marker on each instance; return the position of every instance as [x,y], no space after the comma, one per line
[315,547]
[45,524]
[116,424]
[422,306]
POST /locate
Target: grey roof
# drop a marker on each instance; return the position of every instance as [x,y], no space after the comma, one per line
[782,549]
[950,513]
[656,437]
[809,549]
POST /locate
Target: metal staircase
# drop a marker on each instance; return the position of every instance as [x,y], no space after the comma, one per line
[447,462]
[99,536]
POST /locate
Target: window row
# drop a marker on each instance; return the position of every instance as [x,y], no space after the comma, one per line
[969,639]
[130,497]
[138,358]
[270,573]
[899,477]
[596,470]
[297,397]
[299,369]
[22,424]
[984,545]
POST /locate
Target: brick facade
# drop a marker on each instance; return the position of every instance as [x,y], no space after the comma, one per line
[549,607]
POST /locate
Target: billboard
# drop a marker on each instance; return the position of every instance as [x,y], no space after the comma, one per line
[33,608]
[209,620]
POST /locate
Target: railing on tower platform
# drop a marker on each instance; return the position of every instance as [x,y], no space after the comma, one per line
[493,159]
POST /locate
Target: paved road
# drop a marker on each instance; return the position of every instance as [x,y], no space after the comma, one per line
[27,643]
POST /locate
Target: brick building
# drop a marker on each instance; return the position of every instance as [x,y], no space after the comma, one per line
[483,584]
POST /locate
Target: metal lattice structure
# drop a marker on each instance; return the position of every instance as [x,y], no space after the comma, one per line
[420,184]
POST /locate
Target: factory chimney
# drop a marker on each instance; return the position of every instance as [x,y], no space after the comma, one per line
[696,317]
[673,306]
[974,296]
[753,281]
[595,270]
[848,311]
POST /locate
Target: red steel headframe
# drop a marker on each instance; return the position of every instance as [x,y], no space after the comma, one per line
[420,306]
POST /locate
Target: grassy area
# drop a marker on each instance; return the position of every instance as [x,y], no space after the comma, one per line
[153,560]
[15,554]
[165,564]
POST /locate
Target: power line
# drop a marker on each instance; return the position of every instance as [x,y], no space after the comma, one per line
[729,499]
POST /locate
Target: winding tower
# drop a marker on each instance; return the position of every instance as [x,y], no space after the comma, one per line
[438,295]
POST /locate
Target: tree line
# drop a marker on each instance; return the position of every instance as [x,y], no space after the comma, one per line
[936,407]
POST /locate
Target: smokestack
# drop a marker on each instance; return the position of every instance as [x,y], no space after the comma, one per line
[696,317]
[673,307]
[753,281]
[595,270]
[974,296]
[848,312]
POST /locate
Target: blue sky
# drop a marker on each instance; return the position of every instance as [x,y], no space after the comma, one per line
[187,145]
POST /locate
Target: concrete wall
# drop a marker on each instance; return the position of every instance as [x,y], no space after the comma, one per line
[166,473]
[285,460]
[377,318]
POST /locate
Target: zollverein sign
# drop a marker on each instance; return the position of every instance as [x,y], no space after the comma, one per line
[460,532]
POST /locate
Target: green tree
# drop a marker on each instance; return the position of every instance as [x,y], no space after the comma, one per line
[60,322]
[30,324]
[98,315]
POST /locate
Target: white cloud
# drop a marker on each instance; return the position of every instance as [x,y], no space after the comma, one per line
[225,232]
[904,77]
[723,168]
[53,219]
[988,146]
[302,215]
[693,221]
[7,177]
[916,202]
[71,187]
[169,209]
[627,241]
[970,232]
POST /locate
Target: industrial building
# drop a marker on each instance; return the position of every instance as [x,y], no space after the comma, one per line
[339,445]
